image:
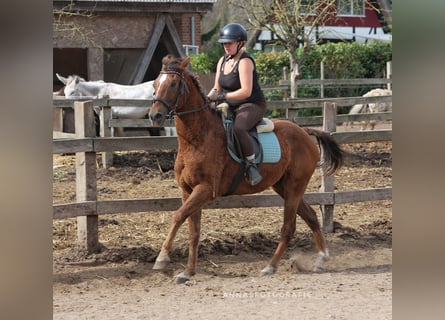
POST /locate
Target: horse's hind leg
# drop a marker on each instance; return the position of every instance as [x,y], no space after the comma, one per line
[308,214]
[287,231]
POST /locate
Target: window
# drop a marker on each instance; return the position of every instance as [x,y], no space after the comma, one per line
[307,6]
[302,7]
[190,49]
[350,8]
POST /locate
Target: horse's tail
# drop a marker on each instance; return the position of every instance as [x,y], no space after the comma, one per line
[333,154]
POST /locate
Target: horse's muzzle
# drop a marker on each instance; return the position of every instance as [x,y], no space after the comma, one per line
[158,111]
[157,118]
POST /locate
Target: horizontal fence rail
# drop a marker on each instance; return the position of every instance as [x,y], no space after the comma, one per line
[71,210]
[297,103]
[69,145]
[300,103]
[336,82]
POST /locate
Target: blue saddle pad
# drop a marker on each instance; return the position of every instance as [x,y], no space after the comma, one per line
[271,149]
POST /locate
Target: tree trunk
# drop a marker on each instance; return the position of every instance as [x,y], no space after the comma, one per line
[294,74]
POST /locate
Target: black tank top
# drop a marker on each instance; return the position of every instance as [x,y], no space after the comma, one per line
[231,82]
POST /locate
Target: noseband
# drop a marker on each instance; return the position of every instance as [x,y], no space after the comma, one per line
[182,89]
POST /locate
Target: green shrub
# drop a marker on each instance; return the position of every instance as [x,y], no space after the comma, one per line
[270,66]
[201,63]
[344,61]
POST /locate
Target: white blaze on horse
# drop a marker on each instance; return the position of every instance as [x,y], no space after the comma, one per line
[76,86]
[373,107]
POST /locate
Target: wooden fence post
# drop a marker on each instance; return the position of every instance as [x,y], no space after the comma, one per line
[58,119]
[87,226]
[68,120]
[327,182]
[105,131]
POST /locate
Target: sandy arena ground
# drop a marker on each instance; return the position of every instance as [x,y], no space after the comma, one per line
[236,244]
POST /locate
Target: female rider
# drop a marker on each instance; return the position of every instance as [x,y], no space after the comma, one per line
[236,82]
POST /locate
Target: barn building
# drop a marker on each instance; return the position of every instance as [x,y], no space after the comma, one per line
[123,41]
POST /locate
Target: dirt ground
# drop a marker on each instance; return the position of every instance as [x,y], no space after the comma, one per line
[236,244]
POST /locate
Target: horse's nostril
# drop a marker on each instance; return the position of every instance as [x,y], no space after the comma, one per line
[158,116]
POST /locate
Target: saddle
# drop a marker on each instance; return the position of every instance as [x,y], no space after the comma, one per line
[266,145]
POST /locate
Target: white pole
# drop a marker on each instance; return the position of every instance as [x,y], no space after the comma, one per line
[322,78]
[389,73]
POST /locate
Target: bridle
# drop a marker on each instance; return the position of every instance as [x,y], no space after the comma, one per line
[182,89]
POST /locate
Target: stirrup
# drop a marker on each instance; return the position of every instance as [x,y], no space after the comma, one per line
[252,172]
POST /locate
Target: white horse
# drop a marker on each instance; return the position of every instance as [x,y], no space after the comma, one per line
[76,86]
[373,107]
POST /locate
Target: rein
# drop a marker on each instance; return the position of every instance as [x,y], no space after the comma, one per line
[183,88]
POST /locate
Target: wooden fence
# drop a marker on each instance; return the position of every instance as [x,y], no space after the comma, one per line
[284,85]
[86,145]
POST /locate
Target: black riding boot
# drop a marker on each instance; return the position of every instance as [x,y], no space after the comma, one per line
[253,175]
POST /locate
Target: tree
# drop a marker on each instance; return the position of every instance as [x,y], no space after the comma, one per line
[294,23]
[67,28]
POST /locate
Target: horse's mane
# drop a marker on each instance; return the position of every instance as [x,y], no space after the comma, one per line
[174,64]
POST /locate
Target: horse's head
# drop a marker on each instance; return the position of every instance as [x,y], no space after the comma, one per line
[71,85]
[169,88]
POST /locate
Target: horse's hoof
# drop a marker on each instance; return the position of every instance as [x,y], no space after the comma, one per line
[268,270]
[161,265]
[319,264]
[317,269]
[297,266]
[182,278]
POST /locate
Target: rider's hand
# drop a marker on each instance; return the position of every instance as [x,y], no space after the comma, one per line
[220,97]
[212,94]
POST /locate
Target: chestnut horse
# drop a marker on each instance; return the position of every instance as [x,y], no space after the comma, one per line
[204,170]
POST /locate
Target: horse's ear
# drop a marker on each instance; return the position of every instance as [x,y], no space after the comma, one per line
[167,59]
[185,62]
[62,79]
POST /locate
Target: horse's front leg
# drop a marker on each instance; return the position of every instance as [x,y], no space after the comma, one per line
[163,259]
[191,208]
[194,222]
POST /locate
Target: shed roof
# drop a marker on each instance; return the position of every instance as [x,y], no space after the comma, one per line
[149,1]
[152,6]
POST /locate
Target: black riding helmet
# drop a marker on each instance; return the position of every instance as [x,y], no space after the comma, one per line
[232,32]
